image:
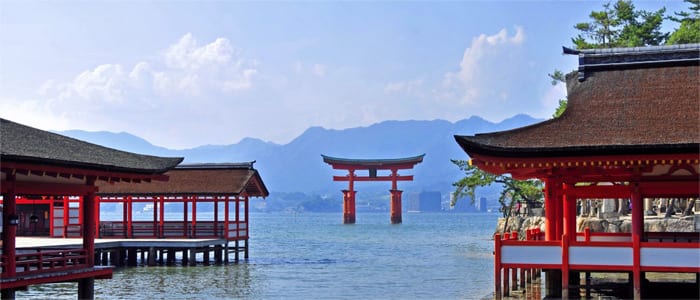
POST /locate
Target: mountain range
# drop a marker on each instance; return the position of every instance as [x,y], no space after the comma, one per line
[298,167]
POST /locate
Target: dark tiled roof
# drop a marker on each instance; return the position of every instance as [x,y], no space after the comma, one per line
[639,109]
[200,179]
[592,60]
[373,162]
[20,143]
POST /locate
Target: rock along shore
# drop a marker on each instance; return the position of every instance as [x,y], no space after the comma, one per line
[613,224]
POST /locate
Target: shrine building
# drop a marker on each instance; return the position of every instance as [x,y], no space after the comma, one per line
[37,163]
[72,210]
[631,130]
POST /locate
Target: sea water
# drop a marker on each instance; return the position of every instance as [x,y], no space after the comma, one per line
[314,255]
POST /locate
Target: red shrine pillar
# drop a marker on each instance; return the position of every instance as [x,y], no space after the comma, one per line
[568,236]
[637,237]
[395,206]
[550,209]
[9,233]
[349,206]
[553,219]
[86,286]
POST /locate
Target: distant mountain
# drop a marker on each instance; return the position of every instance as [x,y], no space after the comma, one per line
[122,141]
[298,167]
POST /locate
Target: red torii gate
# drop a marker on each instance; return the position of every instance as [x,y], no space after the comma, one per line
[372,165]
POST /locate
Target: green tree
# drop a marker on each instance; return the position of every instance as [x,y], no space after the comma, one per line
[601,32]
[689,29]
[558,77]
[620,25]
[528,191]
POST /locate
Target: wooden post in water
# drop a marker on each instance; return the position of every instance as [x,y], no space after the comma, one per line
[236,249]
[193,257]
[205,256]
[151,256]
[131,257]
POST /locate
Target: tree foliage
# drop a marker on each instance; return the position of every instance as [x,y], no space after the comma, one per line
[621,25]
[558,77]
[689,30]
[528,191]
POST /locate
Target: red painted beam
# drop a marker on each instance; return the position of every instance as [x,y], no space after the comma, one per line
[63,276]
[378,178]
[378,167]
[38,169]
[665,189]
[600,191]
[46,188]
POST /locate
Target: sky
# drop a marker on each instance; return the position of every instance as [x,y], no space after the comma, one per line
[181,74]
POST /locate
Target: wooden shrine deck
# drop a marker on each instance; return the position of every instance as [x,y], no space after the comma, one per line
[29,243]
[126,252]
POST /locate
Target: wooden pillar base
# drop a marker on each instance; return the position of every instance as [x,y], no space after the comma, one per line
[86,288]
[8,294]
[217,255]
[552,284]
[193,257]
[205,256]
[185,258]
[131,257]
[151,256]
[245,250]
[236,250]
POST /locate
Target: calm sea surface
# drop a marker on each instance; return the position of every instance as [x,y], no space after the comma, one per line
[307,255]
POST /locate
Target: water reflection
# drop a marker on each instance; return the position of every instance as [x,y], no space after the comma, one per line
[200,282]
[430,256]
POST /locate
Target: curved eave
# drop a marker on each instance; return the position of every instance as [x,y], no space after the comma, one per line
[256,187]
[168,164]
[216,166]
[474,145]
[373,162]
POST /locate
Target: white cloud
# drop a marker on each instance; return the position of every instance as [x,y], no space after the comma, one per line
[411,87]
[104,83]
[484,56]
[492,79]
[196,93]
[187,80]
[319,70]
[244,81]
[187,54]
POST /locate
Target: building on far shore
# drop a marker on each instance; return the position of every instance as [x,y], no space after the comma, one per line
[631,130]
[425,201]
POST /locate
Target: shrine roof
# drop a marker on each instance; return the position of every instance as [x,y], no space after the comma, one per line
[372,162]
[198,179]
[630,101]
[23,144]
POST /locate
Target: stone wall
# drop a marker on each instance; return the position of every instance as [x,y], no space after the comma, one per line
[616,224]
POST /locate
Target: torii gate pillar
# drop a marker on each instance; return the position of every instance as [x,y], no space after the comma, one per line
[395,206]
[349,206]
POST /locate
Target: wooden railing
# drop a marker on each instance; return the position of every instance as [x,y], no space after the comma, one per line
[613,252]
[43,261]
[174,229]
